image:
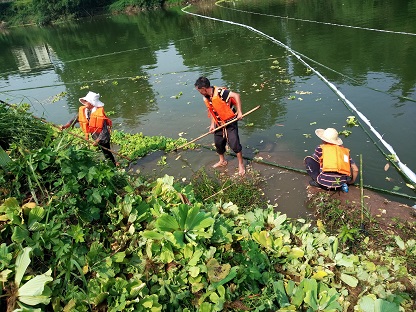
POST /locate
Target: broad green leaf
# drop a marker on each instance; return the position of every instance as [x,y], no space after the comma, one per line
[20,234]
[347,261]
[188,251]
[279,220]
[310,288]
[119,257]
[216,271]
[4,218]
[152,235]
[206,307]
[166,254]
[5,256]
[229,277]
[127,205]
[4,274]
[98,298]
[399,242]
[96,197]
[22,262]
[195,257]
[370,266]
[296,253]
[34,300]
[11,204]
[214,298]
[182,215]
[298,296]
[194,271]
[194,218]
[382,305]
[35,286]
[221,291]
[135,290]
[70,306]
[263,238]
[349,280]
[289,287]
[319,275]
[4,158]
[178,239]
[35,215]
[367,303]
[327,298]
[279,289]
[147,303]
[151,303]
[167,223]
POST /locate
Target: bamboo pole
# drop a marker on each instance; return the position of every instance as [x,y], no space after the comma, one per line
[361,185]
[220,127]
[362,227]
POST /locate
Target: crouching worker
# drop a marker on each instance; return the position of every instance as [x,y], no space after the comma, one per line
[93,120]
[331,166]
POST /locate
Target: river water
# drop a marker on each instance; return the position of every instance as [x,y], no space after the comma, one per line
[308,64]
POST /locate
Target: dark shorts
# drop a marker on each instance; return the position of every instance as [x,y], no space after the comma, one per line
[327,180]
[228,134]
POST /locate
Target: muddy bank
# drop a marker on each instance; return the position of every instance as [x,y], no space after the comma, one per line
[286,189]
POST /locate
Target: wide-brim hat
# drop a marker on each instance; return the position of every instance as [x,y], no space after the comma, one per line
[93,98]
[329,135]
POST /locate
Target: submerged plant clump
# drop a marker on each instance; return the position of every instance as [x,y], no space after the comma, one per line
[245,193]
[99,239]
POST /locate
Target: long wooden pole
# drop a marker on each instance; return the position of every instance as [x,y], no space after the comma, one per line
[76,135]
[361,188]
[222,126]
[90,142]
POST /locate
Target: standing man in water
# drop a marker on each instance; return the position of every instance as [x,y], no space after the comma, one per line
[223,106]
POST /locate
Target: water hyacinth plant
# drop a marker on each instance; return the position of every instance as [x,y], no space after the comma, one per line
[100,239]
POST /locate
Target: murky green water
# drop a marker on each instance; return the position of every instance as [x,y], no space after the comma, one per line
[304,62]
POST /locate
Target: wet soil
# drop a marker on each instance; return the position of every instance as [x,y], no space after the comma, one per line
[287,190]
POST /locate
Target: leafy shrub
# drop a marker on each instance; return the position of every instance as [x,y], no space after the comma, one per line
[104,240]
[17,126]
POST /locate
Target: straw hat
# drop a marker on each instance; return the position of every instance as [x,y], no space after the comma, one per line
[93,98]
[329,135]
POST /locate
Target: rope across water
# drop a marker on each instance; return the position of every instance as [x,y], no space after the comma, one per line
[402,168]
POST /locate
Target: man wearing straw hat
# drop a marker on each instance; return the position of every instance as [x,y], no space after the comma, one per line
[331,166]
[92,119]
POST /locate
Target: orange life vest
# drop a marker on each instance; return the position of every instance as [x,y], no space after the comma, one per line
[96,122]
[219,109]
[335,158]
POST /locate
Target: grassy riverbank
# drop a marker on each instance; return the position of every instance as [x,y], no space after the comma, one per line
[44,12]
[78,234]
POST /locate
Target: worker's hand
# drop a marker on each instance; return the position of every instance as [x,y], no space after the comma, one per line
[61,128]
[212,128]
[95,143]
[239,115]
